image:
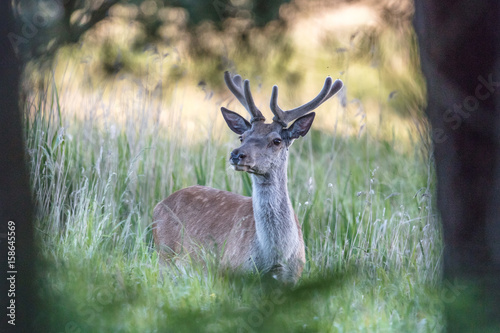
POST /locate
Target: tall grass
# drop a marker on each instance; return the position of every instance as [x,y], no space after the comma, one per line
[364,202]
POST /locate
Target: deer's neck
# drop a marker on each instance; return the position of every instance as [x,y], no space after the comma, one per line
[277,232]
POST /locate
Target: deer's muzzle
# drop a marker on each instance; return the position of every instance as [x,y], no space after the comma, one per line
[237,157]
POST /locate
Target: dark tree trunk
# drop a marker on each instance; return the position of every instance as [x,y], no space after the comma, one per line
[460,55]
[15,197]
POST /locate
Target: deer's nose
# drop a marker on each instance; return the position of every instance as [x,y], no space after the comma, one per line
[237,156]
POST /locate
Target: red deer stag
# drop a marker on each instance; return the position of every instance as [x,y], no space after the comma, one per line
[259,233]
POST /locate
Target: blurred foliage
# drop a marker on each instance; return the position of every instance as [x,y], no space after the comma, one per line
[167,43]
[259,11]
[46,25]
[49,25]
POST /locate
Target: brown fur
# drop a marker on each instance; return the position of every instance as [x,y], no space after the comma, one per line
[215,219]
[269,239]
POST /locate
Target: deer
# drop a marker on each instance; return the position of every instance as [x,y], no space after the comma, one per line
[260,233]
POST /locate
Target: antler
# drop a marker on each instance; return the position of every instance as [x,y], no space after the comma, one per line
[285,117]
[243,95]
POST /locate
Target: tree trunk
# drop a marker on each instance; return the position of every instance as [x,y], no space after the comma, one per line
[15,198]
[460,53]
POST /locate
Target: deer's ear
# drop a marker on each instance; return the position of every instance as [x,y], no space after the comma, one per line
[236,123]
[301,126]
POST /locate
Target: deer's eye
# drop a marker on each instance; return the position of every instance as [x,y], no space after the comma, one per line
[277,142]
[240,138]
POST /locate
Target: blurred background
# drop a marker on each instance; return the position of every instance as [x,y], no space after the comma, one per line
[122,108]
[176,53]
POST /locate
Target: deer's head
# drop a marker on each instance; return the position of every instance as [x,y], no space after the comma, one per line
[264,146]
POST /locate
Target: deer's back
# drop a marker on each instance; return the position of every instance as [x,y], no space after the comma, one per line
[203,216]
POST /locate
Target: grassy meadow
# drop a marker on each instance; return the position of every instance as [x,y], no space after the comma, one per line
[104,151]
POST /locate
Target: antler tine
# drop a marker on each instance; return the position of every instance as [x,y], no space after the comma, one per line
[235,88]
[313,104]
[237,80]
[285,117]
[252,108]
[243,95]
[279,115]
[336,86]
